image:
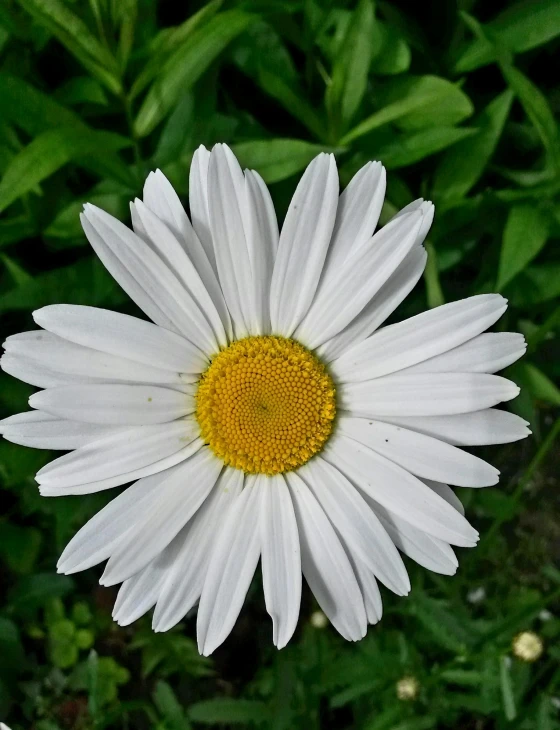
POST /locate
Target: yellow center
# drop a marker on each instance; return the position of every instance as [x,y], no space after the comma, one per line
[265,405]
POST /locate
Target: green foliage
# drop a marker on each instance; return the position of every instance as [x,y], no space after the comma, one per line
[463,109]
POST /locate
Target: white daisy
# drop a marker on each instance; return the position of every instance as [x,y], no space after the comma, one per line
[262,413]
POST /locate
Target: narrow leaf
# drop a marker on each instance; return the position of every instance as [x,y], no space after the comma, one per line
[230,711]
[508,698]
[463,165]
[350,72]
[537,109]
[46,154]
[416,102]
[521,27]
[75,35]
[410,148]
[169,41]
[525,234]
[186,65]
[292,98]
[277,159]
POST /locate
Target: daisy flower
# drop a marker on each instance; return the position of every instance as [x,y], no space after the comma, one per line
[263,414]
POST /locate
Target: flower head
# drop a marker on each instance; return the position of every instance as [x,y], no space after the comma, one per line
[407,689]
[263,414]
[527,646]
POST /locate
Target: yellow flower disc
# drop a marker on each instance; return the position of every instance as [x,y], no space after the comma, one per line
[265,405]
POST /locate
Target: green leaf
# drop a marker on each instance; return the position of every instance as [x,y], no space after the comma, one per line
[394,55]
[521,27]
[539,385]
[86,282]
[536,284]
[67,225]
[525,234]
[16,229]
[46,154]
[233,712]
[416,102]
[35,112]
[446,629]
[82,90]
[31,109]
[127,15]
[18,273]
[537,109]
[73,33]
[19,547]
[178,133]
[293,99]
[506,686]
[34,591]
[169,707]
[351,68]
[277,159]
[186,65]
[169,41]
[463,165]
[407,149]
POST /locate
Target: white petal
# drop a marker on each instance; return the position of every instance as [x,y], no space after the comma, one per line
[180,495]
[358,527]
[114,404]
[234,559]
[34,373]
[345,294]
[427,209]
[162,199]
[490,426]
[426,550]
[123,336]
[43,431]
[97,539]
[398,491]
[416,339]
[325,564]
[487,353]
[83,363]
[281,559]
[138,594]
[146,278]
[357,214]
[304,241]
[381,306]
[164,242]
[118,453]
[370,591]
[183,584]
[262,244]
[426,394]
[421,455]
[198,201]
[227,205]
[446,493]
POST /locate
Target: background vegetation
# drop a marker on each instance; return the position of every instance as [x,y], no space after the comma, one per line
[458,99]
